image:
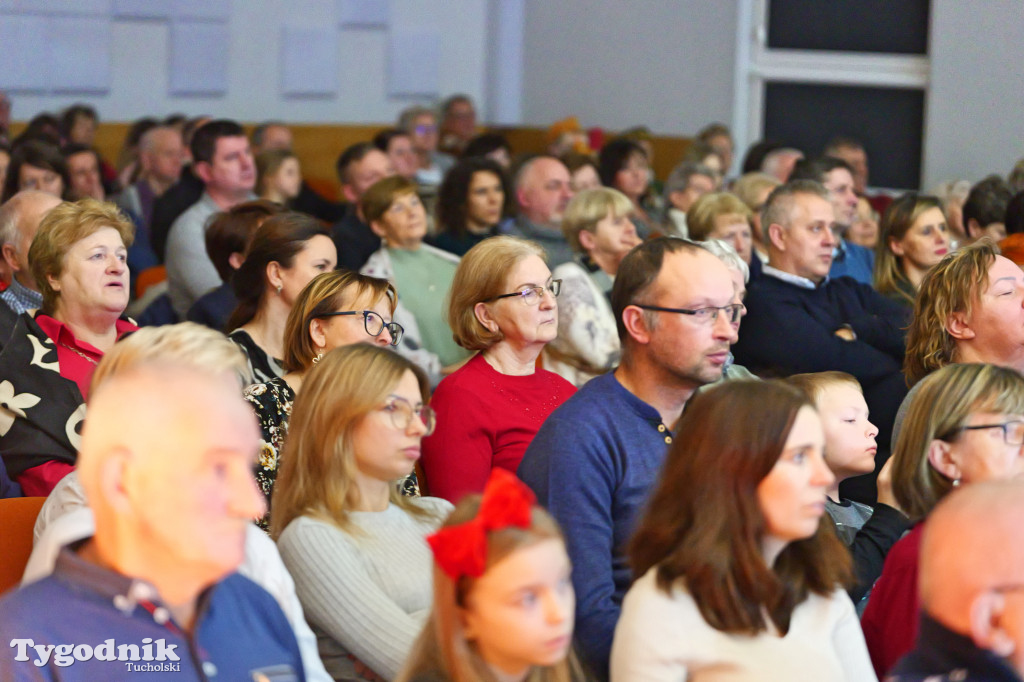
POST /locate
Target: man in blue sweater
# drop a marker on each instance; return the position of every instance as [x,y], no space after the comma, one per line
[595,459]
[800,320]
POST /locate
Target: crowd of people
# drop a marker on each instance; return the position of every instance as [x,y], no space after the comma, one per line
[497,416]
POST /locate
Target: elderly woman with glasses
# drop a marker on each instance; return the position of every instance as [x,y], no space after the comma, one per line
[335,309]
[503,305]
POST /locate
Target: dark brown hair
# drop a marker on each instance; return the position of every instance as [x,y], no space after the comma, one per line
[231,231]
[704,526]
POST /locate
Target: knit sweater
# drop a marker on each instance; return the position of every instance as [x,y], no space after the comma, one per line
[663,636]
[367,593]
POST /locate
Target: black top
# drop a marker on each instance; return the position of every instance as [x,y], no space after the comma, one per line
[354,240]
[171,204]
[942,655]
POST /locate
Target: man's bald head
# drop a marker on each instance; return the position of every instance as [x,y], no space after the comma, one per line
[971,576]
[543,191]
[166,462]
[19,221]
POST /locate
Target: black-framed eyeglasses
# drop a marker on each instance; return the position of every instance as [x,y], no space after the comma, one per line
[1013,431]
[402,412]
[733,312]
[533,295]
[373,323]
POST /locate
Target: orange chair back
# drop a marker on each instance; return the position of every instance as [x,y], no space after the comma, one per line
[149,277]
[17,519]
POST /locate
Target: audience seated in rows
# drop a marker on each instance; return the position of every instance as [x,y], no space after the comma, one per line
[78,260]
[598,228]
[336,308]
[286,252]
[964,425]
[503,306]
[736,567]
[356,427]
[595,458]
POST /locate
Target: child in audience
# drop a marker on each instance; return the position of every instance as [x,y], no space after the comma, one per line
[503,600]
[850,451]
[278,176]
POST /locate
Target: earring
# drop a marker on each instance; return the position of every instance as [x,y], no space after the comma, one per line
[956,482]
[317,358]
[279,289]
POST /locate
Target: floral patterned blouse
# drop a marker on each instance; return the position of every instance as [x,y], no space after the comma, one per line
[272,401]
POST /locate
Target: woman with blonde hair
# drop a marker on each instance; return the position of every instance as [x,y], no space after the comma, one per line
[502,306]
[335,309]
[598,228]
[965,424]
[719,215]
[357,548]
[474,634]
[913,238]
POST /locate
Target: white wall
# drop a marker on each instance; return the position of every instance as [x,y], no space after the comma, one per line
[664,63]
[140,55]
[975,105]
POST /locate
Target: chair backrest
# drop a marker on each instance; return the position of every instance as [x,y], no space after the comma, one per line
[17,519]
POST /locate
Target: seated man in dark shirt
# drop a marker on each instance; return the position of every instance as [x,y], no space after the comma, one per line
[970,583]
[166,462]
[799,320]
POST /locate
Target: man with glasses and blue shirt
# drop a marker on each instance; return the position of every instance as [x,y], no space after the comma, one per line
[595,459]
[800,320]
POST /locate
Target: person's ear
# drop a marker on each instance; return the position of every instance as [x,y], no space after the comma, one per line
[115,487]
[378,229]
[943,459]
[677,198]
[485,318]
[10,256]
[236,259]
[985,621]
[203,170]
[466,622]
[959,327]
[274,271]
[587,240]
[635,321]
[317,333]
[349,192]
[974,229]
[777,236]
[896,247]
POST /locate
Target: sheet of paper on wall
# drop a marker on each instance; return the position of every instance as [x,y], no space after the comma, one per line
[309,61]
[414,57]
[25,53]
[96,8]
[79,54]
[210,10]
[199,57]
[142,9]
[364,13]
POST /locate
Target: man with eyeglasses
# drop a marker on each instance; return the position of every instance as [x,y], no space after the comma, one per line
[799,320]
[595,459]
[971,588]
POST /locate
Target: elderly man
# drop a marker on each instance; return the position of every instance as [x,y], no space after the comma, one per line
[597,456]
[19,221]
[359,167]
[687,183]
[166,461]
[543,190]
[969,583]
[801,321]
[223,160]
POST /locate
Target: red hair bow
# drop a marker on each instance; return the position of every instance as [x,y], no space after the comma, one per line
[462,550]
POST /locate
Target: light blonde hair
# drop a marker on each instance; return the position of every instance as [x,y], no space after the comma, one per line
[479,278]
[954,285]
[590,207]
[326,293]
[749,187]
[61,228]
[899,217]
[442,646]
[185,344]
[700,219]
[814,384]
[943,402]
[317,475]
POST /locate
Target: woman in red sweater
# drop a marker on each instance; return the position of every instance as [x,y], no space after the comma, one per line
[502,304]
[965,424]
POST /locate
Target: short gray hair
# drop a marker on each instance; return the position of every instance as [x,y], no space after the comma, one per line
[723,251]
[409,114]
[679,179]
[778,207]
